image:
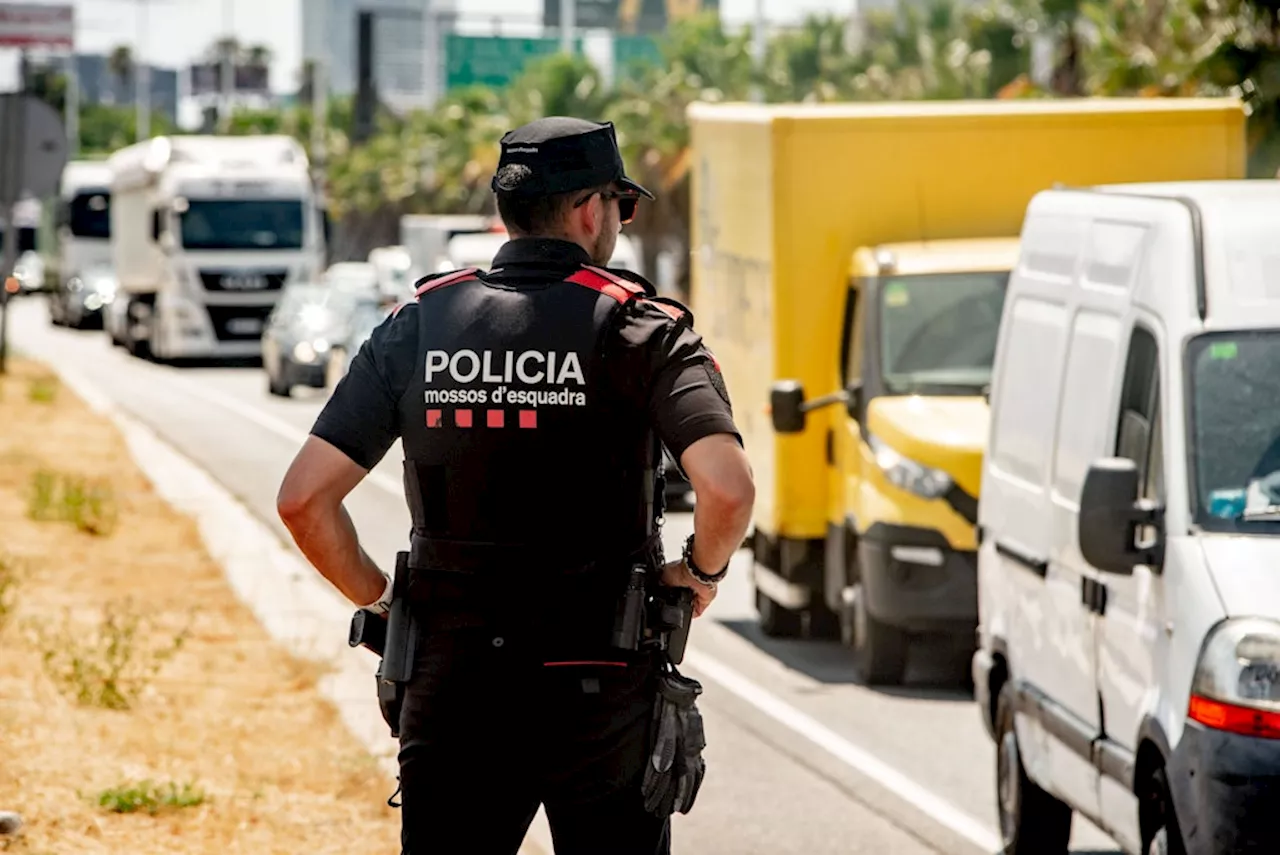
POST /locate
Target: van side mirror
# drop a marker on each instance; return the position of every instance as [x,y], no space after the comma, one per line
[1111,515]
[786,402]
[155,225]
[854,402]
[789,408]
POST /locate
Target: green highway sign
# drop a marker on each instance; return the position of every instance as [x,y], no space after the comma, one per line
[493,60]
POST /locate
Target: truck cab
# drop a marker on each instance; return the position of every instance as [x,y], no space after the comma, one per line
[206,232]
[905,455]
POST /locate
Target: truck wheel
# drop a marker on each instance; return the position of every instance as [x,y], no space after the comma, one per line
[880,650]
[777,621]
[1032,822]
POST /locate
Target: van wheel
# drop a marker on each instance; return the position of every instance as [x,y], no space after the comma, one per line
[1167,839]
[1032,822]
[879,650]
[823,622]
[777,621]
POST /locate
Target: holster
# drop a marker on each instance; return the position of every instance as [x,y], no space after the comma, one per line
[675,768]
[400,649]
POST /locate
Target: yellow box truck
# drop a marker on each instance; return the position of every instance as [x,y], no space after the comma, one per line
[849,264]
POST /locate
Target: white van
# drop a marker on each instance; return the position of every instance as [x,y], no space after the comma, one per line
[1129,566]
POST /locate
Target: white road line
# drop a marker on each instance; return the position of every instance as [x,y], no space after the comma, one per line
[780,711]
[837,746]
[279,427]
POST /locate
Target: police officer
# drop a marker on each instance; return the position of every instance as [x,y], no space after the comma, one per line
[527,399]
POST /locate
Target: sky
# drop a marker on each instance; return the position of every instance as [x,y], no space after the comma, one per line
[179,31]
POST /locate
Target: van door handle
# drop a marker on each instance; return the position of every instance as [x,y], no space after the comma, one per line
[1039,566]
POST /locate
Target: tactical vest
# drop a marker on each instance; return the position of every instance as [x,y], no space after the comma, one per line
[521,459]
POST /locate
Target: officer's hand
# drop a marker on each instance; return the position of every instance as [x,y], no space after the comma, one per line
[677,575]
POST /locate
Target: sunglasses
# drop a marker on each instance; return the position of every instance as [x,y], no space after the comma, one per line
[627,203]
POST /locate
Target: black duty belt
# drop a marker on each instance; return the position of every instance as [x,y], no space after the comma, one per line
[471,557]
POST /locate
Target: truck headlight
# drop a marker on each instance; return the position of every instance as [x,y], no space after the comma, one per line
[1237,681]
[906,473]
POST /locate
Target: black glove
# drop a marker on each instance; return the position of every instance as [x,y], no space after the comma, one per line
[675,769]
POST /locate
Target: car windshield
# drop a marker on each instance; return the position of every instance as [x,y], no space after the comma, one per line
[938,332]
[242,224]
[1235,424]
[89,215]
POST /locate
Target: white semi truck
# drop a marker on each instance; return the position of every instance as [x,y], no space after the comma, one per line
[206,232]
[81,222]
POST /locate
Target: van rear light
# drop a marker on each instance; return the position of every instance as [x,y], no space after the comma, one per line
[1233,718]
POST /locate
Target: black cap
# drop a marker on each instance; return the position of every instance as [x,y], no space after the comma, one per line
[564,155]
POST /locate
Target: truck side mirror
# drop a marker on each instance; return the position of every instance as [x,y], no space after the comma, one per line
[786,401]
[1111,515]
[155,225]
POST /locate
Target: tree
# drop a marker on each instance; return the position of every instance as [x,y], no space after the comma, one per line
[120,63]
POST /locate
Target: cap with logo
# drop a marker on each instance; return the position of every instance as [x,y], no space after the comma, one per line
[563,155]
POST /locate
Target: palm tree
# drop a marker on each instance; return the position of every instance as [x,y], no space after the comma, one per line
[120,63]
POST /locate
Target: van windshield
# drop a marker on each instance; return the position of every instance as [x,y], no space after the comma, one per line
[938,332]
[242,224]
[1235,425]
[89,215]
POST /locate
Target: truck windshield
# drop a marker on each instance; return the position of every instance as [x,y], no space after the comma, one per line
[1235,425]
[242,224]
[938,331]
[89,215]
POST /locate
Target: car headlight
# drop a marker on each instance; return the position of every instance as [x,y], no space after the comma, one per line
[1237,681]
[304,351]
[904,472]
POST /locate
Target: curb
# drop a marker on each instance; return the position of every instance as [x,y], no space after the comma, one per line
[296,605]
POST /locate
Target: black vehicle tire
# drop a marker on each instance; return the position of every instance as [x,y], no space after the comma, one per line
[777,621]
[823,622]
[1032,822]
[879,649]
[278,387]
[1167,839]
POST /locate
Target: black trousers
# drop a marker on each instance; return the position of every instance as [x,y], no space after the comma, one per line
[489,731]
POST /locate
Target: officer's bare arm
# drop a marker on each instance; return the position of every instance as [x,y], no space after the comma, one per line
[310,504]
[721,477]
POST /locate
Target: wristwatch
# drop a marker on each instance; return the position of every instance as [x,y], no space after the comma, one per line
[704,578]
[382,605]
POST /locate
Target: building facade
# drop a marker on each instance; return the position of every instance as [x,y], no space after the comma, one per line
[406,55]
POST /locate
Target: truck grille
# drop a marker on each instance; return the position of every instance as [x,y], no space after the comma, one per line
[243,281]
[238,323]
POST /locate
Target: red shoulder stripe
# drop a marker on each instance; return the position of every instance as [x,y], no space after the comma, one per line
[589,277]
[668,309]
[452,279]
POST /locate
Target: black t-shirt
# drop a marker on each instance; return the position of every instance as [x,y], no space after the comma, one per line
[656,360]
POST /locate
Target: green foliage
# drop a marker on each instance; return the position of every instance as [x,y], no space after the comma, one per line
[107,665]
[88,503]
[150,797]
[43,389]
[10,575]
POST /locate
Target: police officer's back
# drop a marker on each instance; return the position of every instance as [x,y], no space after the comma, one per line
[528,399]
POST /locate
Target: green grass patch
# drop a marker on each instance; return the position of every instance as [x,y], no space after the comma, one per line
[150,797]
[107,665]
[43,389]
[88,503]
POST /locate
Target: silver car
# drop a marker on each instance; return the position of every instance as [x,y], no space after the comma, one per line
[305,326]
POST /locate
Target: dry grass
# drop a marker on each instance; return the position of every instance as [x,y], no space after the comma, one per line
[225,747]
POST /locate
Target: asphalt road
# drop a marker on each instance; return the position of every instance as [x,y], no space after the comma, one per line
[802,757]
